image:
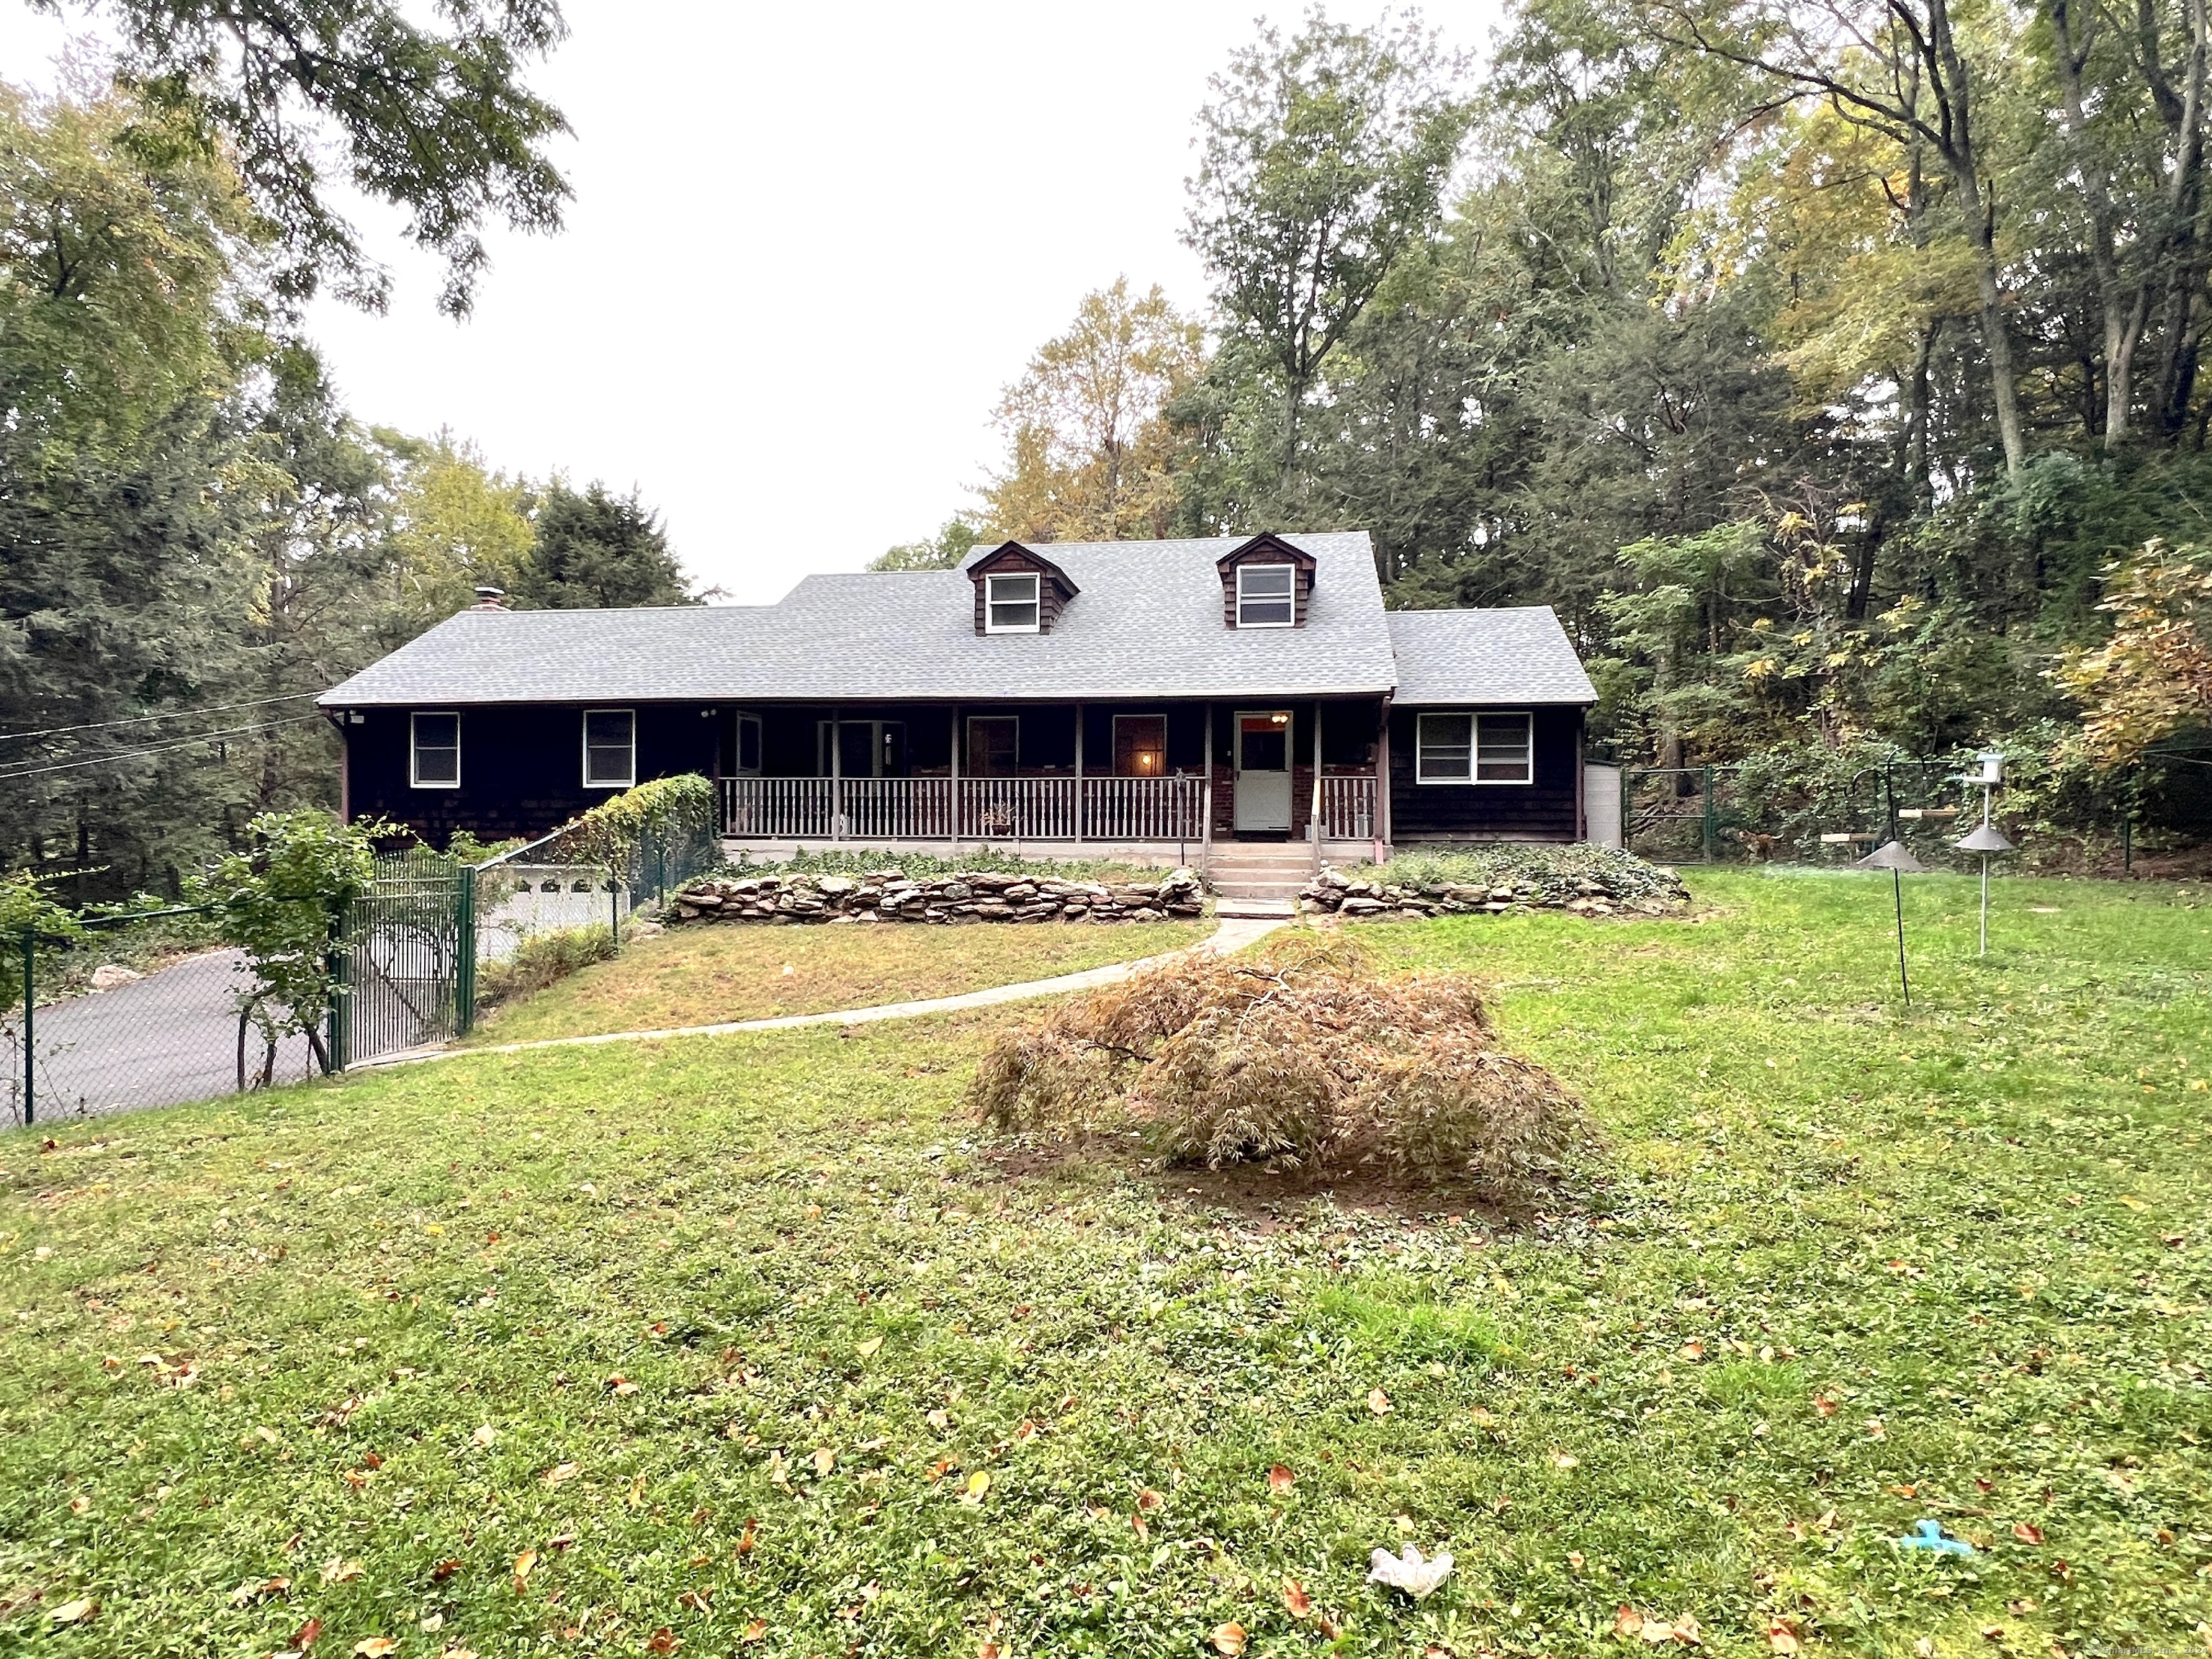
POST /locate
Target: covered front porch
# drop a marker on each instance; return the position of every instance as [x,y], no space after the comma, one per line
[1145,778]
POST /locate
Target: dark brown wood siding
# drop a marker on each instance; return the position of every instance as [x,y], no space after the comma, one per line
[1542,811]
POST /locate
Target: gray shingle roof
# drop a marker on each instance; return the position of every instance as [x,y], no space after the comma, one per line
[1516,654]
[1147,623]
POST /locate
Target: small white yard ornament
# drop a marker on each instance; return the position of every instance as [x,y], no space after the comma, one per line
[1407,1571]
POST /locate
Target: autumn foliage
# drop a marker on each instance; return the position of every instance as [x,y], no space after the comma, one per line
[2153,677]
[1304,1057]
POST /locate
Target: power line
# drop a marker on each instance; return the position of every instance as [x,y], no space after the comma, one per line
[141,720]
[157,749]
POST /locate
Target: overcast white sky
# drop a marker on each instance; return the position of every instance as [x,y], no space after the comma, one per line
[809,245]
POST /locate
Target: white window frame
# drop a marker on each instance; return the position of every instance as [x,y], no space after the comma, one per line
[1035,601]
[1289,598]
[1475,719]
[629,781]
[415,750]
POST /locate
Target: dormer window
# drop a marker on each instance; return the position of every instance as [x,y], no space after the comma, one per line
[1013,604]
[1017,590]
[1267,582]
[1267,595]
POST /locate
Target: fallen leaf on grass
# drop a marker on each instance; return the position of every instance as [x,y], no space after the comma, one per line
[444,1570]
[978,1483]
[485,1435]
[2028,1533]
[824,1459]
[1378,1402]
[621,1385]
[458,1652]
[871,1348]
[375,1647]
[1564,1461]
[336,1571]
[1781,1638]
[1655,1630]
[523,1564]
[1149,1499]
[1279,1480]
[307,1634]
[560,1472]
[431,1623]
[1328,1626]
[755,1631]
[1823,1405]
[1229,1639]
[1296,1599]
[253,1590]
[75,1612]
[1693,1351]
[662,1640]
[745,1538]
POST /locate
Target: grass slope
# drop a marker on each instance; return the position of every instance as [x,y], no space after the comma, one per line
[1844,1270]
[707,974]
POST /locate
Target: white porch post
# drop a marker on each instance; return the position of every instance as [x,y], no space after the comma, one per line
[1078,774]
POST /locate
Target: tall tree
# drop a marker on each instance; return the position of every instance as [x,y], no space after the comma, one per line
[436,121]
[1322,161]
[595,549]
[1091,455]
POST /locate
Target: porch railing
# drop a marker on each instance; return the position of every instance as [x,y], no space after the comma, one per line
[1110,809]
[1143,809]
[1348,808]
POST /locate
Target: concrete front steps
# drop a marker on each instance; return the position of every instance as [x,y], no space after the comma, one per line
[1270,873]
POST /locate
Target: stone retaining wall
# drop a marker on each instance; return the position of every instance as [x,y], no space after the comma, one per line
[1332,891]
[966,897]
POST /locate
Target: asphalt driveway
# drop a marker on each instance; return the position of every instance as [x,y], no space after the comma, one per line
[159,1040]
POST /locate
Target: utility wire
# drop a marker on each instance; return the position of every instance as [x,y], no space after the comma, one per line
[141,720]
[157,749]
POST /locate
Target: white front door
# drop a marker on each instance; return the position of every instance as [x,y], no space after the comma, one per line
[1263,770]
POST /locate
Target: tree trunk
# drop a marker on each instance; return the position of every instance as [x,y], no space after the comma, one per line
[2123,310]
[2180,313]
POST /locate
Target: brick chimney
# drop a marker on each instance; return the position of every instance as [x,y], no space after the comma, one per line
[488,599]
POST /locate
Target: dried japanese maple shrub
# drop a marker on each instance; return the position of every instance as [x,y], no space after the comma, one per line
[1304,1056]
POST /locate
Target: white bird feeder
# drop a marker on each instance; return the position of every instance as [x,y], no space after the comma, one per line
[1986,839]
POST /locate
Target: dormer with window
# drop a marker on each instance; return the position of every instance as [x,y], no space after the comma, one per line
[1265,583]
[1019,591]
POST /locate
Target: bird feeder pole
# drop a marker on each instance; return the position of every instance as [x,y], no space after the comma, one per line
[1896,857]
[1987,838]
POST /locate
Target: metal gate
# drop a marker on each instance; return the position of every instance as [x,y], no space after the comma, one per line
[404,961]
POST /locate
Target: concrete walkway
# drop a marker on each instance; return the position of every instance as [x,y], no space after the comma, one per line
[1232,935]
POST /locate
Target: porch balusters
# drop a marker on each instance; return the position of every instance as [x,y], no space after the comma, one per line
[1348,808]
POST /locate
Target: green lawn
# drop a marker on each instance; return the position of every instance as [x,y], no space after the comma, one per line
[711,973]
[1841,1271]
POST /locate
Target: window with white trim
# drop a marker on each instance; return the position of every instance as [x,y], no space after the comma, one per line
[1267,595]
[609,748]
[433,747]
[1474,749]
[1011,604]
